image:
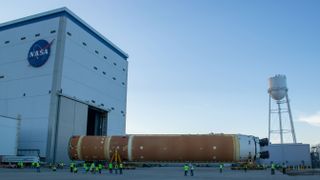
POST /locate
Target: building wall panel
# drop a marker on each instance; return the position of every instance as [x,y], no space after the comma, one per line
[25,90]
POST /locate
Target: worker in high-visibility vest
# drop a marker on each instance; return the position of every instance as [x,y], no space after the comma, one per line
[20,164]
[85,167]
[97,169]
[120,167]
[221,167]
[273,168]
[100,167]
[72,165]
[75,169]
[116,167]
[110,166]
[92,167]
[38,166]
[186,169]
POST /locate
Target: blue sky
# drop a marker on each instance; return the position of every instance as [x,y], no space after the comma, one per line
[201,66]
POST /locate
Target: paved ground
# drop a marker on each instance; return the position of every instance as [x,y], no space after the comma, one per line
[154,173]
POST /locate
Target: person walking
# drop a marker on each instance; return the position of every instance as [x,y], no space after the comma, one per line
[186,169]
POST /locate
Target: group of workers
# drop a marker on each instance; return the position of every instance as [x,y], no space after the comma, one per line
[118,167]
[35,165]
[273,167]
[98,167]
[188,167]
[283,167]
[92,167]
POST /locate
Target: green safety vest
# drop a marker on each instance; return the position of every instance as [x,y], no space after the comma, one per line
[272,166]
[100,166]
[37,165]
[121,165]
[186,168]
[221,166]
[110,166]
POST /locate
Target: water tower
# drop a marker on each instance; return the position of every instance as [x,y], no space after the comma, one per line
[278,95]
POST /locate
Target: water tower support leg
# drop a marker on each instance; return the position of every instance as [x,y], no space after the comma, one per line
[280,122]
[269,132]
[291,121]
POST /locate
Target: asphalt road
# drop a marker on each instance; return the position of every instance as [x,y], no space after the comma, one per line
[153,173]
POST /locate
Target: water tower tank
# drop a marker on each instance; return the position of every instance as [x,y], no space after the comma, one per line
[278,87]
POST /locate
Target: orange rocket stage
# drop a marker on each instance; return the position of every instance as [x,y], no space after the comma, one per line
[168,148]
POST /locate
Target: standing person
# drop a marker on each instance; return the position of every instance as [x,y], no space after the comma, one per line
[284,168]
[92,167]
[38,166]
[97,168]
[191,169]
[75,169]
[72,166]
[273,167]
[110,167]
[54,168]
[186,169]
[245,167]
[116,167]
[85,167]
[61,165]
[100,168]
[221,167]
[120,167]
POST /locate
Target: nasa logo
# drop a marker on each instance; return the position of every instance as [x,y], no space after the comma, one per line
[39,53]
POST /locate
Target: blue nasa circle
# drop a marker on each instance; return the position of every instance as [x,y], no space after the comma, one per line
[39,53]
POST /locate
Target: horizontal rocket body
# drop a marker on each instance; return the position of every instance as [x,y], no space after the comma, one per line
[169,148]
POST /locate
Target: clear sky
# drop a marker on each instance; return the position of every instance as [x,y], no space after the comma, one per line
[201,66]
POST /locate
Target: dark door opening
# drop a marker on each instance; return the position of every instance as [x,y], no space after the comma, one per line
[96,122]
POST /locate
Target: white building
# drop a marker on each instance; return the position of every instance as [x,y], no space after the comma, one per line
[62,78]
